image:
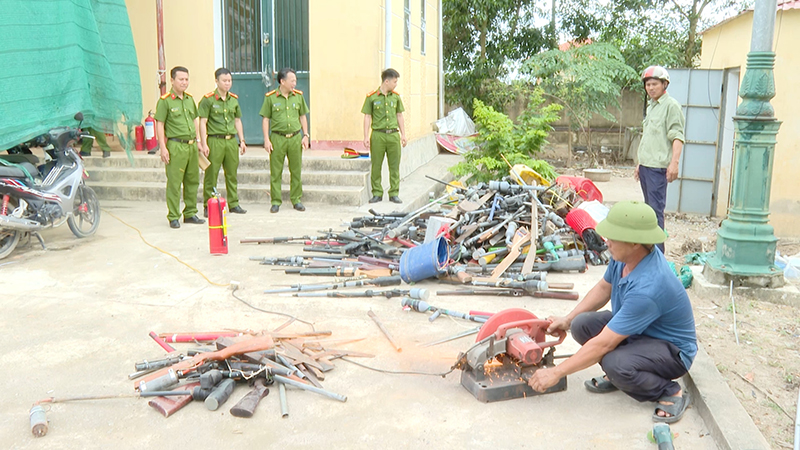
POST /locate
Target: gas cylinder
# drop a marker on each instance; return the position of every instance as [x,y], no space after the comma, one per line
[150,132]
[217,226]
[139,141]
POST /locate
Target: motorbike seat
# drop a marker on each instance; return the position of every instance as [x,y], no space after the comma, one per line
[20,158]
[16,172]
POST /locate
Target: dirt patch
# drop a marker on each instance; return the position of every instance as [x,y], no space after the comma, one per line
[763,369]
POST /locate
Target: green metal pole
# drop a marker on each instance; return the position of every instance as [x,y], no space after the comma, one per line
[746,241]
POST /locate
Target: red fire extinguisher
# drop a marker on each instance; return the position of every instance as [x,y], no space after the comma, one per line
[139,141]
[217,225]
[150,132]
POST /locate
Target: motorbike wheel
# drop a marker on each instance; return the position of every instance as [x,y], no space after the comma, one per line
[8,242]
[85,217]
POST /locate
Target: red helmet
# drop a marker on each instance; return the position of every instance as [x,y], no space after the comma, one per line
[657,72]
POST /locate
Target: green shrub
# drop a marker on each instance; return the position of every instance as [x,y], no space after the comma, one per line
[519,143]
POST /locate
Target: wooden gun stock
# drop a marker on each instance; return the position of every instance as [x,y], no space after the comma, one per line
[187,365]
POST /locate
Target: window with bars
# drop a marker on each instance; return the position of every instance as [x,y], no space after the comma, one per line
[407,25]
[243,36]
[422,27]
[291,34]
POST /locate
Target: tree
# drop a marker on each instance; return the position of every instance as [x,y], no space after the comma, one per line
[479,38]
[518,143]
[647,32]
[587,79]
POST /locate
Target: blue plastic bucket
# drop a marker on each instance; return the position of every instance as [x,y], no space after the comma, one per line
[424,261]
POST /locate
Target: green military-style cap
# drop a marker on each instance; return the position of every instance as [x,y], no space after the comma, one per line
[633,222]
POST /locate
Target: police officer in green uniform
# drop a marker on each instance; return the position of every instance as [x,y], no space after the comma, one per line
[100,137]
[176,129]
[220,120]
[284,112]
[383,118]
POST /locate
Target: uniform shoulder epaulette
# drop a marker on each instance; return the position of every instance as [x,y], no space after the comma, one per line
[297,91]
[373,92]
[209,95]
[165,96]
[233,95]
[270,93]
[188,94]
[395,93]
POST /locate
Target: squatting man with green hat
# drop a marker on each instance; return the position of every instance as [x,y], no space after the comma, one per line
[648,338]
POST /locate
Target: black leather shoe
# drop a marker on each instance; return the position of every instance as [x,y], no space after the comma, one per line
[205,212]
[86,154]
[151,152]
[395,199]
[195,220]
[375,199]
[299,207]
[174,224]
[238,210]
[106,154]
[275,208]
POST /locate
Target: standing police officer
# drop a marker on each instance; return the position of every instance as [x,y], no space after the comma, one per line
[220,120]
[286,108]
[383,118]
[177,131]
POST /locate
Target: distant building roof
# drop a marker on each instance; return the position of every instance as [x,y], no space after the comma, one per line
[782,5]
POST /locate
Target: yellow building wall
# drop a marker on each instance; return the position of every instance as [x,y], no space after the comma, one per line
[346,51]
[727,46]
[188,42]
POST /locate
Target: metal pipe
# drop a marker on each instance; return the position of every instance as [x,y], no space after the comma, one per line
[763,25]
[387,38]
[162,63]
[310,388]
[284,403]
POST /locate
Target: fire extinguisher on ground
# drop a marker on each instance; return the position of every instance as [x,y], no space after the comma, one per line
[150,133]
[217,225]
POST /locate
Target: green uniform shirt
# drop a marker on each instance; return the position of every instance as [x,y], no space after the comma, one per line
[663,124]
[177,115]
[383,109]
[221,114]
[284,112]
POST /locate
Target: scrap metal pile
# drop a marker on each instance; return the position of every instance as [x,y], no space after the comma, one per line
[501,238]
[209,373]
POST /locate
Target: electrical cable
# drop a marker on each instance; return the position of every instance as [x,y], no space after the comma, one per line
[398,372]
[233,293]
[141,236]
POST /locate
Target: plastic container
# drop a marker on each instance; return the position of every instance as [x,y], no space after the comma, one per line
[580,220]
[424,261]
[597,210]
[528,175]
[583,187]
[437,225]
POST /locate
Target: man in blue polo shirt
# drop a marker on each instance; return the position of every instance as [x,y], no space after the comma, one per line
[648,338]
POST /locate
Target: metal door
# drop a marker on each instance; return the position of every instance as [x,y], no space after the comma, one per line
[700,91]
[259,38]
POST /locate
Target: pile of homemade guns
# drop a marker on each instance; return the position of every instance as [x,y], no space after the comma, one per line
[503,237]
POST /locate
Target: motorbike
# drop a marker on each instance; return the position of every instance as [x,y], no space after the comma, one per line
[34,198]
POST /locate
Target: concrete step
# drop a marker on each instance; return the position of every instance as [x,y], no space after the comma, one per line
[246,162]
[258,193]
[246,177]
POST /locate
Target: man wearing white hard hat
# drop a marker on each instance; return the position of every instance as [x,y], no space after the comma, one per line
[662,142]
[648,338]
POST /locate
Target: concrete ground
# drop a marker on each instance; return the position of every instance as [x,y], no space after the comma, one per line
[77,316]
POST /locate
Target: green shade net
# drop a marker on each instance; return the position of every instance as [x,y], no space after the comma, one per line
[59,57]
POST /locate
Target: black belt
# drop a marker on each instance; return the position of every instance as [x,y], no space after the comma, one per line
[182,141]
[387,130]
[287,135]
[222,136]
